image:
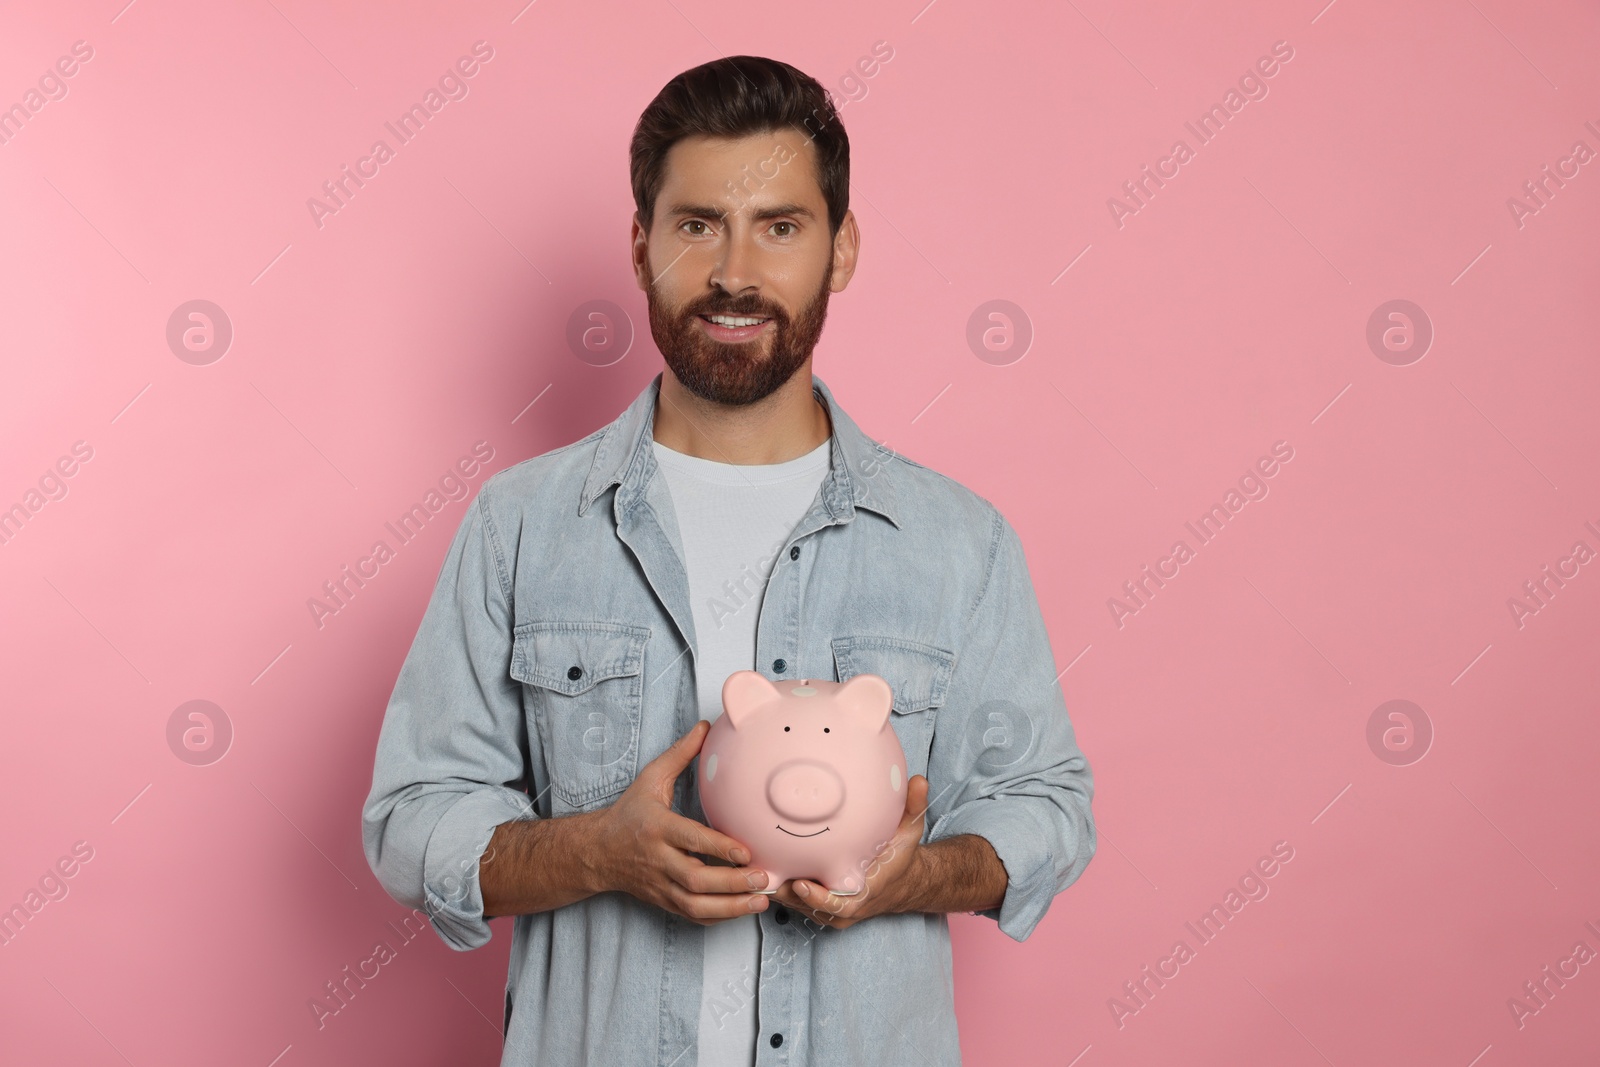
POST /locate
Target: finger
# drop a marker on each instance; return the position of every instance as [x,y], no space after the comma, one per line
[685,833]
[697,877]
[817,904]
[785,895]
[818,896]
[916,797]
[716,906]
[808,910]
[676,758]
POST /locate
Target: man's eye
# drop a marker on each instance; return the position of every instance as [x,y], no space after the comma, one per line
[791,226]
[695,222]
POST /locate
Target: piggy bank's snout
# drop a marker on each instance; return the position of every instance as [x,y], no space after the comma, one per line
[805,791]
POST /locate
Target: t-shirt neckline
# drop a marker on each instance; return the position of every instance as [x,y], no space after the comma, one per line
[711,470]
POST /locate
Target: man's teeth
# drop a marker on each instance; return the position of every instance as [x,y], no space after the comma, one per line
[733,320]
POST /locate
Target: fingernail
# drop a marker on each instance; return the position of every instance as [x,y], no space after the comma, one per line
[740,855]
[756,903]
[757,879]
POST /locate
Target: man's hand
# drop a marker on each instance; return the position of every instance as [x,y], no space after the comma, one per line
[894,877]
[642,847]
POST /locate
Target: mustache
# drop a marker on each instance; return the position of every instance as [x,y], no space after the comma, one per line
[751,307]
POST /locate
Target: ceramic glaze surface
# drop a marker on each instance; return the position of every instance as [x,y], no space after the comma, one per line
[807,774]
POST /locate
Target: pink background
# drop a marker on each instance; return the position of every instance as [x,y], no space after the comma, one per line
[1230,312]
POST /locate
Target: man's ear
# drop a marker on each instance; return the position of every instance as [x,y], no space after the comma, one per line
[846,252]
[869,697]
[639,253]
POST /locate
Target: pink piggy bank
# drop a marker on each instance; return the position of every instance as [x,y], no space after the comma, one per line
[808,774]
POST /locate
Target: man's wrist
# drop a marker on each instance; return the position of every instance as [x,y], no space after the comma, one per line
[916,882]
[539,864]
[585,843]
[959,873]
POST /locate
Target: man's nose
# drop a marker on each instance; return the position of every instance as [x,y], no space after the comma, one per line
[736,270]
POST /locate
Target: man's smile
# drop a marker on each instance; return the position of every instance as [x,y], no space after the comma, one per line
[733,328]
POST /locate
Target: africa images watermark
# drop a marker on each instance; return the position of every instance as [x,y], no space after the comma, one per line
[51,486]
[855,89]
[1539,191]
[1540,991]
[453,485]
[853,82]
[747,587]
[50,86]
[52,887]
[339,992]
[1252,886]
[1252,86]
[452,85]
[1252,486]
[740,993]
[1537,592]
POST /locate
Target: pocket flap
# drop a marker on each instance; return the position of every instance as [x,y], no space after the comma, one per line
[573,657]
[917,673]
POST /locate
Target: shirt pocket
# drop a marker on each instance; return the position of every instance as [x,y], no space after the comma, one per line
[917,673]
[583,686]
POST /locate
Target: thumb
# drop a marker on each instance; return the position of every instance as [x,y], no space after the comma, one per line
[916,798]
[680,753]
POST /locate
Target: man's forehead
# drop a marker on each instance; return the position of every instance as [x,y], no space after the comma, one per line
[762,142]
[776,163]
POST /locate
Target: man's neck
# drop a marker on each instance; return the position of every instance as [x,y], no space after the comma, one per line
[778,428]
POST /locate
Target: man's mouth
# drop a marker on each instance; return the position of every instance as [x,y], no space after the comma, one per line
[733,328]
[791,833]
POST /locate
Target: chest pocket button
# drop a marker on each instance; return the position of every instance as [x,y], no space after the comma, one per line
[584,692]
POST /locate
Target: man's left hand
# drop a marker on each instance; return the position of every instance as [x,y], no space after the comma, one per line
[893,876]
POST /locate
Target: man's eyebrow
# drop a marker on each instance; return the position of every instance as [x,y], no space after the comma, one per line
[706,211]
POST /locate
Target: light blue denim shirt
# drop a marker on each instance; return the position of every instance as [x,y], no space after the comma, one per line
[557,657]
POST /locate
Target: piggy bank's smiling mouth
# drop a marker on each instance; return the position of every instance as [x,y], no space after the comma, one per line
[791,833]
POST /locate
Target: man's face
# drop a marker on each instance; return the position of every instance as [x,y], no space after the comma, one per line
[740,231]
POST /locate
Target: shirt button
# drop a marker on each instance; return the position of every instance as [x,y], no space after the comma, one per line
[779,666]
[794,553]
[777,1039]
[574,673]
[782,915]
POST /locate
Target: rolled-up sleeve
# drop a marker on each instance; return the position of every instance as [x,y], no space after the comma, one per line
[452,752]
[1005,763]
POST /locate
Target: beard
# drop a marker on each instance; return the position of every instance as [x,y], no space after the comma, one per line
[736,372]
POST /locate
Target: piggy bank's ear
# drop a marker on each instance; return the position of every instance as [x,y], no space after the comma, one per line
[869,697]
[743,693]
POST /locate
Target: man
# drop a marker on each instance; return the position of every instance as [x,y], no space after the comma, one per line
[536,755]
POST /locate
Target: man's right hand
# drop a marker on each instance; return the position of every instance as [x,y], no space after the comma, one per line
[644,848]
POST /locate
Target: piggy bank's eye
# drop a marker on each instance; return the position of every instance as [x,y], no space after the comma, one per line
[824,729]
[785,729]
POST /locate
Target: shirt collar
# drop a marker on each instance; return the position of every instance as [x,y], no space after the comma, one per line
[858,474]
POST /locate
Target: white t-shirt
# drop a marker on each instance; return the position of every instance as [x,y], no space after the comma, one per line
[734,521]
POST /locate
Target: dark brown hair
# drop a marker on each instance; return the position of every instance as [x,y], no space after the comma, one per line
[736,97]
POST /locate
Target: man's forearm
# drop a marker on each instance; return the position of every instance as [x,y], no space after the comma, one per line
[960,873]
[534,865]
